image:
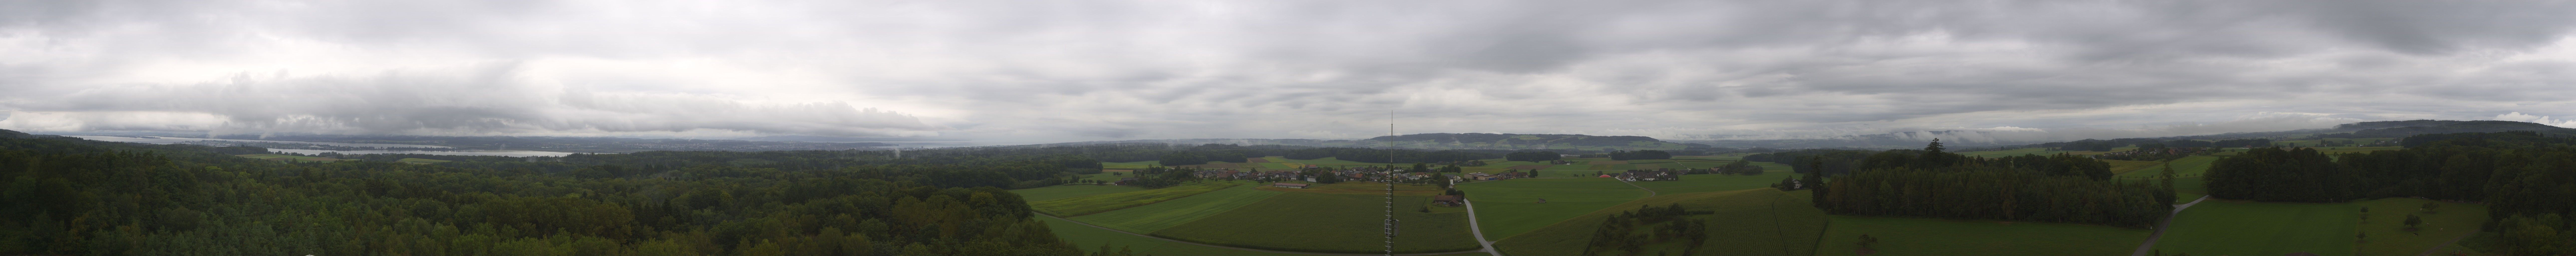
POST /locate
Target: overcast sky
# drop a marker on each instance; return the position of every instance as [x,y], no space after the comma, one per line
[1080,70]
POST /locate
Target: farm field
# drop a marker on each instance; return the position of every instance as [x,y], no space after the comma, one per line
[1085,205]
[1509,207]
[2387,223]
[2185,167]
[1090,239]
[422,161]
[1070,191]
[1923,236]
[2186,189]
[1745,222]
[2217,227]
[1338,223]
[1151,217]
[1362,188]
[2340,150]
[2125,166]
[289,158]
[1694,183]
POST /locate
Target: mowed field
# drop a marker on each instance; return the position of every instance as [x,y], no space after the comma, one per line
[2185,167]
[1510,207]
[1745,222]
[1070,191]
[1923,236]
[1151,217]
[2387,225]
[2229,227]
[1695,183]
[1085,205]
[2127,167]
[1364,188]
[1337,223]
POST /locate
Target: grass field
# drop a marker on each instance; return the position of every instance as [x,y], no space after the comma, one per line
[2186,167]
[1715,182]
[422,161]
[2230,227]
[2340,150]
[2186,189]
[1151,217]
[2387,223]
[1509,207]
[2125,166]
[1070,191]
[290,158]
[1363,188]
[1339,223]
[1085,205]
[1920,236]
[1746,222]
[1090,239]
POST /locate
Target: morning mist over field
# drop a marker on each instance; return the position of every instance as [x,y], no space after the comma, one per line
[1005,72]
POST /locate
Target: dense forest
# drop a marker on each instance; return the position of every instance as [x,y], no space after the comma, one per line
[2525,178]
[69,196]
[1933,183]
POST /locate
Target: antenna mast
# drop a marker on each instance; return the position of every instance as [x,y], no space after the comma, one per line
[1390,182]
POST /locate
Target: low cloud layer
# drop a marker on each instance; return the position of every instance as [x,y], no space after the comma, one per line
[1015,71]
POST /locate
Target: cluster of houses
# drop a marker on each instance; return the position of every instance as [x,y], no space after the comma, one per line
[1658,174]
[1231,174]
[1504,176]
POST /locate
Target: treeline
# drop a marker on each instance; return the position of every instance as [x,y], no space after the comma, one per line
[1639,155]
[1372,155]
[1932,183]
[69,196]
[1629,232]
[2519,175]
[1533,156]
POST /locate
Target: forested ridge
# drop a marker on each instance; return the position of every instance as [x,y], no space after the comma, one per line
[74,197]
[1934,183]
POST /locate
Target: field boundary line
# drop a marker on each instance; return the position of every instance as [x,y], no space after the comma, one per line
[1087,224]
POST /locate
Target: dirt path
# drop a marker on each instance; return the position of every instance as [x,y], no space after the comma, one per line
[2454,240]
[1470,216]
[2160,227]
[1478,229]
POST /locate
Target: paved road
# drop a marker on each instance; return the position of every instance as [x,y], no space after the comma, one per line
[1470,223]
[2160,227]
[1478,229]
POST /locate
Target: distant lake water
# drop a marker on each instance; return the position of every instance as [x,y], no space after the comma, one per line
[176,140]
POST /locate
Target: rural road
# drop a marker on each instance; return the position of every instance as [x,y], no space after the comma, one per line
[1479,230]
[1471,223]
[2160,227]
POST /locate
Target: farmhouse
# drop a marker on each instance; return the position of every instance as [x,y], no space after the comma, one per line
[1639,175]
[1288,185]
[1449,200]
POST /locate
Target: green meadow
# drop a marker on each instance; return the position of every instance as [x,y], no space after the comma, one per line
[2229,227]
[1694,183]
[1151,217]
[2387,225]
[1509,207]
[2189,166]
[1091,239]
[1070,191]
[1921,236]
[1333,223]
[1085,205]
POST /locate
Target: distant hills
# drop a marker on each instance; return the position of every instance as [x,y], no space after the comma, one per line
[2391,129]
[1441,141]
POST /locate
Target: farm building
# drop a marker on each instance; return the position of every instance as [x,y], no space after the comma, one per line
[1288,185]
[1641,175]
[1449,200]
